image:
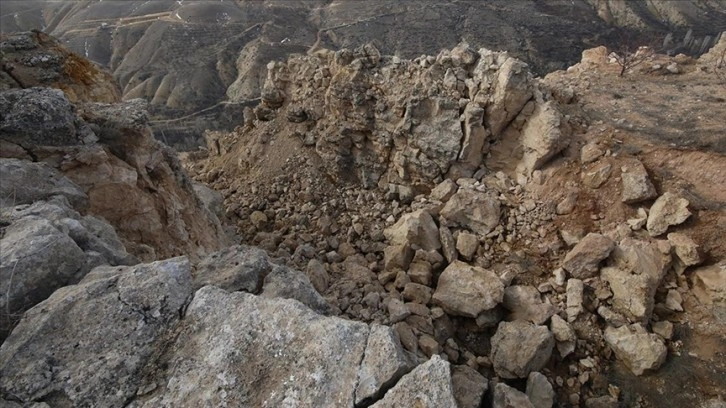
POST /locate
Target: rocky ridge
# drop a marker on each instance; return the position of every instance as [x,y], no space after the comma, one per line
[452,280]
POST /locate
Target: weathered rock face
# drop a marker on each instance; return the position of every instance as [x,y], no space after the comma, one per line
[236,268]
[376,120]
[709,284]
[636,348]
[268,352]
[25,182]
[87,344]
[520,347]
[467,290]
[37,59]
[117,162]
[48,245]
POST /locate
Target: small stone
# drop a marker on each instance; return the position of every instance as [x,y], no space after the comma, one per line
[258,219]
[539,390]
[466,290]
[597,176]
[397,257]
[583,260]
[508,397]
[564,335]
[663,329]
[525,303]
[673,301]
[709,284]
[636,184]
[397,310]
[420,272]
[575,290]
[429,345]
[667,210]
[444,190]
[590,152]
[469,386]
[415,292]
[448,245]
[520,347]
[685,248]
[467,244]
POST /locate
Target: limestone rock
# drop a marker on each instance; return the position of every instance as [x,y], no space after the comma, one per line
[685,248]
[467,244]
[668,209]
[397,257]
[477,211]
[100,334]
[539,390]
[444,190]
[575,290]
[597,176]
[234,268]
[448,245]
[636,184]
[543,136]
[583,260]
[427,386]
[520,347]
[564,335]
[384,363]
[469,386]
[466,290]
[288,283]
[590,152]
[525,303]
[636,272]
[709,284]
[218,356]
[25,182]
[417,228]
[637,349]
[512,90]
[318,276]
[508,397]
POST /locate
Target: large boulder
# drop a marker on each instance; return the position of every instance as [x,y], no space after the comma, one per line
[474,210]
[467,290]
[544,135]
[636,348]
[520,347]
[87,344]
[274,352]
[427,386]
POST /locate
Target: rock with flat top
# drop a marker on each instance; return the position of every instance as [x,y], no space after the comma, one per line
[636,184]
[466,290]
[669,209]
[416,229]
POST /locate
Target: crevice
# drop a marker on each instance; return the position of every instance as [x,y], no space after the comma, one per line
[360,363]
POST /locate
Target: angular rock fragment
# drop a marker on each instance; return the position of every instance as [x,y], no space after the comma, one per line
[466,290]
[636,184]
[564,335]
[469,386]
[238,267]
[474,210]
[417,228]
[709,284]
[636,348]
[583,260]
[508,397]
[427,386]
[575,290]
[539,390]
[668,209]
[383,364]
[685,248]
[288,283]
[520,347]
[525,303]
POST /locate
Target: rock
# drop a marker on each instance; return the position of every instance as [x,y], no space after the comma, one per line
[544,135]
[397,257]
[612,318]
[664,329]
[444,190]
[685,248]
[673,301]
[667,210]
[564,335]
[479,212]
[525,303]
[397,311]
[475,135]
[211,199]
[417,293]
[539,390]
[636,184]
[417,229]
[258,219]
[520,347]
[583,260]
[575,289]
[568,203]
[100,334]
[448,245]
[466,290]
[429,345]
[590,152]
[467,244]
[407,336]
[639,222]
[636,348]
[709,284]
[384,363]
[235,268]
[597,176]
[637,269]
[217,356]
[420,272]
[508,397]
[512,91]
[427,386]
[469,386]
[288,283]
[318,275]
[25,182]
[605,401]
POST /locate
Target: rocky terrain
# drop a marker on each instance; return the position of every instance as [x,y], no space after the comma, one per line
[441,231]
[198,62]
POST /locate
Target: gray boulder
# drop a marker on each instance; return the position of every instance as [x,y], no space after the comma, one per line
[508,397]
[25,182]
[384,363]
[520,347]
[87,344]
[427,386]
[238,349]
[288,283]
[539,390]
[469,386]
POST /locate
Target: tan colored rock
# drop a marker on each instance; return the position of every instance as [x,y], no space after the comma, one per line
[520,347]
[564,335]
[685,248]
[636,184]
[639,350]
[525,303]
[667,210]
[469,386]
[539,390]
[709,284]
[583,260]
[444,190]
[467,244]
[590,152]
[384,363]
[416,229]
[597,176]
[427,386]
[448,244]
[466,290]
[512,90]
[477,211]
[543,136]
[508,397]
